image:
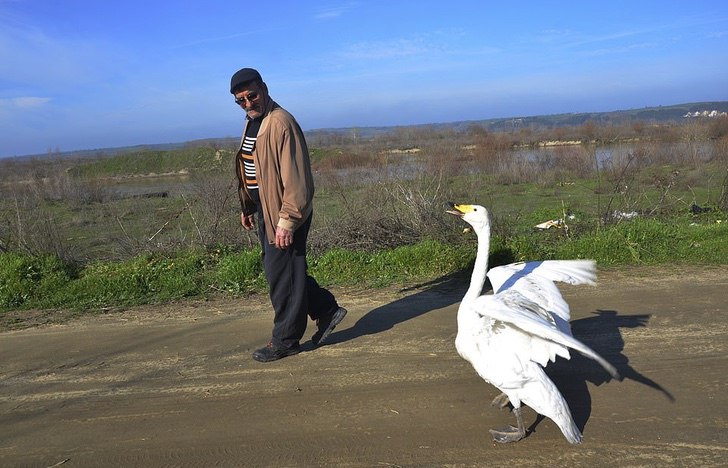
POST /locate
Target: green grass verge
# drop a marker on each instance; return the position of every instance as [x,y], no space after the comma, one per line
[46,282]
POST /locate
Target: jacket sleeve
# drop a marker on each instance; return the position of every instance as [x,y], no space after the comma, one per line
[296,177]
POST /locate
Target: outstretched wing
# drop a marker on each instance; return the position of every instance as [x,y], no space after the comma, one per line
[515,309]
[536,281]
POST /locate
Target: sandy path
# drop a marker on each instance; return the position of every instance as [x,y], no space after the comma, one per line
[175,385]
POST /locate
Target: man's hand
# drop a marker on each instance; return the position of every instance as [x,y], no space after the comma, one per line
[284,238]
[248,221]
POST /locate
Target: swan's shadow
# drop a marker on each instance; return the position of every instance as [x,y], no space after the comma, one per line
[600,332]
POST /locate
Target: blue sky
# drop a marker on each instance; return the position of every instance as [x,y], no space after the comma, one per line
[83,74]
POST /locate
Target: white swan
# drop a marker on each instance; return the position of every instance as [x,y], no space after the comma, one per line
[510,335]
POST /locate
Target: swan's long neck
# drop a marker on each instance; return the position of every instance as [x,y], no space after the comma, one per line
[477,279]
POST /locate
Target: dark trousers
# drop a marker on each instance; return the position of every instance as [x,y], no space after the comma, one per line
[294,294]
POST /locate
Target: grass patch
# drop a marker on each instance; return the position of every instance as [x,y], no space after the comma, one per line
[45,282]
[148,162]
[426,260]
[32,281]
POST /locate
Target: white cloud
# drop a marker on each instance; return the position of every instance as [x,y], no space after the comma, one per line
[386,49]
[335,12]
[25,102]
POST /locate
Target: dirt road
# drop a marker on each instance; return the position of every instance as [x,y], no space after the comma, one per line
[175,385]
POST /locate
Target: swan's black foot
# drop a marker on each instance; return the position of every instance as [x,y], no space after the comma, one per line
[501,401]
[507,434]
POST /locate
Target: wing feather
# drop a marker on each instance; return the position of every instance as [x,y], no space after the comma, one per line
[513,308]
[536,280]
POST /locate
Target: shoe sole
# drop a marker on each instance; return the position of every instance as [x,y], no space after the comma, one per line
[335,320]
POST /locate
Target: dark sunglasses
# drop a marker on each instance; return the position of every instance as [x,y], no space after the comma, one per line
[252,96]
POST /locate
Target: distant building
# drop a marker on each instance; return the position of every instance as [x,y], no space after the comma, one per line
[705,113]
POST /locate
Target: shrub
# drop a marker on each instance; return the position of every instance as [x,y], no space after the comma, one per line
[240,272]
[31,280]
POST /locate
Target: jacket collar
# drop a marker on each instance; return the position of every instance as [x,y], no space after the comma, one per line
[268,109]
[264,122]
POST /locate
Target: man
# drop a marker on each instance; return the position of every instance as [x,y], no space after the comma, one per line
[275,185]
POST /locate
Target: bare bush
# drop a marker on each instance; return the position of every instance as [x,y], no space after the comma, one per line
[519,170]
[391,212]
[578,161]
[216,211]
[723,198]
[445,158]
[346,160]
[31,227]
[588,131]
[646,153]
[720,152]
[623,197]
[62,187]
[718,128]
[490,150]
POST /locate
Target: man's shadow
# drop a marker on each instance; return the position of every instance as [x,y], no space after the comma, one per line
[433,295]
[436,294]
[601,333]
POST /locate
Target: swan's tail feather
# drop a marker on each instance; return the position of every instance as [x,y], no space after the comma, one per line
[572,433]
[544,397]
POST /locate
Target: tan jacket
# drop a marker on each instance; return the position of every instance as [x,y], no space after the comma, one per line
[283,170]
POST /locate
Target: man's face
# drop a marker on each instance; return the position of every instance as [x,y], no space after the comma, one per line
[253,98]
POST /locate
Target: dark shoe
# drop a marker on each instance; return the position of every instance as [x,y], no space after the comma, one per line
[327,324]
[269,353]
